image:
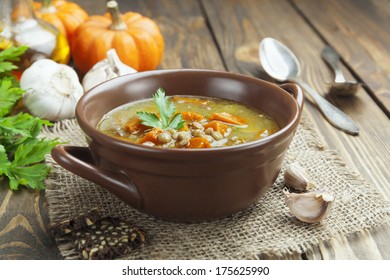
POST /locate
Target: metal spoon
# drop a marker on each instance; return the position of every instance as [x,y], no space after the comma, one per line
[281,64]
[340,86]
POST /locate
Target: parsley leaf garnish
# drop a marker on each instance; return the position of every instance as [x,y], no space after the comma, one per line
[168,118]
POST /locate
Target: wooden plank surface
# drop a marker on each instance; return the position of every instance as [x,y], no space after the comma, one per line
[224,35]
[359,31]
[239,28]
[23,225]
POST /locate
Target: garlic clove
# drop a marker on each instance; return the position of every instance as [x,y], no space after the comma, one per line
[310,207]
[296,178]
[106,69]
[99,73]
[117,65]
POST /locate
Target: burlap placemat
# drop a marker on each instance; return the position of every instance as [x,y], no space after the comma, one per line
[265,228]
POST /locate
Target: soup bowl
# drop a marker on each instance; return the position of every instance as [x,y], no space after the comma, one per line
[183,184]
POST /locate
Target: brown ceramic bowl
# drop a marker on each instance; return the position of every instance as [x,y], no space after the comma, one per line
[183,184]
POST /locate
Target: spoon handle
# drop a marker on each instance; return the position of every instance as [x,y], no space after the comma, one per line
[332,58]
[335,116]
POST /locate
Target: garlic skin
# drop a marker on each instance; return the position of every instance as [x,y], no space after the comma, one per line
[311,207]
[52,90]
[106,69]
[296,178]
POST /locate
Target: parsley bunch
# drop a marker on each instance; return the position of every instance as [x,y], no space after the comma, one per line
[22,153]
[168,118]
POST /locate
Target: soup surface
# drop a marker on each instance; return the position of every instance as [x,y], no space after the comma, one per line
[197,122]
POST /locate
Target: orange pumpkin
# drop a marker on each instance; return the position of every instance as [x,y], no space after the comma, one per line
[65,16]
[136,39]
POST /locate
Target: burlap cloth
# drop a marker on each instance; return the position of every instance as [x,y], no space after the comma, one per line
[265,228]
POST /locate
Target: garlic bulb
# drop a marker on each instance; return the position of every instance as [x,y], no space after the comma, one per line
[311,207]
[52,90]
[106,69]
[296,178]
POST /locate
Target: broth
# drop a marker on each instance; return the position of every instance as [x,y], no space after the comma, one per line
[209,123]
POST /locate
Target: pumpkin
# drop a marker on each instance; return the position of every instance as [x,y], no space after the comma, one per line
[136,39]
[65,16]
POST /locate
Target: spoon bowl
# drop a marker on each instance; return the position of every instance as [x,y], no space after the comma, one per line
[280,63]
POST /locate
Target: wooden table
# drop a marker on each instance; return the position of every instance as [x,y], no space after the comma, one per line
[224,35]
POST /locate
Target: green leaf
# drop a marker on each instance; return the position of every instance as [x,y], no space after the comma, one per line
[22,154]
[8,127]
[4,162]
[176,122]
[166,109]
[16,129]
[27,168]
[149,119]
[8,56]
[34,152]
[6,66]
[9,95]
[32,176]
[12,53]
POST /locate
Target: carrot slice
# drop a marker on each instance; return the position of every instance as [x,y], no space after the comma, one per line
[228,118]
[151,136]
[134,124]
[191,116]
[217,126]
[198,142]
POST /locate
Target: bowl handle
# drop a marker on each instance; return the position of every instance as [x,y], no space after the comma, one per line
[78,160]
[296,92]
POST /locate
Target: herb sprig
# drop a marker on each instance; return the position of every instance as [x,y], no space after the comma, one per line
[22,153]
[168,117]
[8,57]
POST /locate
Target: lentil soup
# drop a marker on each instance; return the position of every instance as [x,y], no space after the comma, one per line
[206,123]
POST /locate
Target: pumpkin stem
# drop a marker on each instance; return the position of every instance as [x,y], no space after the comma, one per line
[116,17]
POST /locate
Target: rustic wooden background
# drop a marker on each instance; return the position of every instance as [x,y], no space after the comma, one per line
[224,35]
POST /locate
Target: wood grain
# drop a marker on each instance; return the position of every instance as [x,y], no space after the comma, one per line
[359,31]
[23,230]
[240,25]
[224,35]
